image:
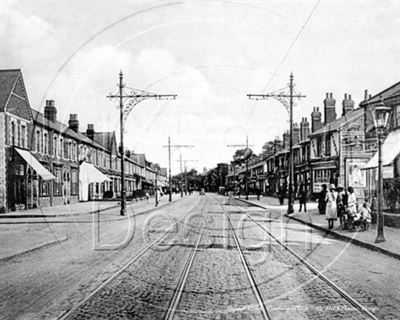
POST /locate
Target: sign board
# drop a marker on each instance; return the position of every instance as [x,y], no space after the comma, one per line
[352,140]
[387,172]
[317,186]
[355,177]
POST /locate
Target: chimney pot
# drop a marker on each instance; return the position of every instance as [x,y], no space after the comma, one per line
[345,96]
[365,94]
[349,96]
[73,122]
[330,95]
[327,95]
[50,111]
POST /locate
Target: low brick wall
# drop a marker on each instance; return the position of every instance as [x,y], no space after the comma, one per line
[391,219]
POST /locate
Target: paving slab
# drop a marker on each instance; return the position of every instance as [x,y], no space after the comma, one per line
[14,244]
[312,218]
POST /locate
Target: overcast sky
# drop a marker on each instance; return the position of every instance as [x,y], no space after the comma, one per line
[210,53]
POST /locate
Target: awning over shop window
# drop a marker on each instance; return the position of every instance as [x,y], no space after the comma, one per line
[390,150]
[89,174]
[160,184]
[36,165]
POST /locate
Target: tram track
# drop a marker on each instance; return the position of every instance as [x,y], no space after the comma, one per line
[342,293]
[248,271]
[319,274]
[172,308]
[69,313]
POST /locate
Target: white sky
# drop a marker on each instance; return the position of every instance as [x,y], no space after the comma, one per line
[210,53]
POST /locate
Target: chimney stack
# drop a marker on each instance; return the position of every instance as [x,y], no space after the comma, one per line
[316,122]
[73,122]
[348,104]
[90,131]
[365,94]
[329,108]
[304,129]
[50,111]
[286,139]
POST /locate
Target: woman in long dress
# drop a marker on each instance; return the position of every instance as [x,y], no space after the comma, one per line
[331,210]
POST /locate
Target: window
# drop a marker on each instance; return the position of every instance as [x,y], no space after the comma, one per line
[397,116]
[60,148]
[65,149]
[327,146]
[55,146]
[23,134]
[44,188]
[74,182]
[18,135]
[38,141]
[46,143]
[57,181]
[12,133]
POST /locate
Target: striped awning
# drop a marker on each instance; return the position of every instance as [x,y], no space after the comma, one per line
[35,164]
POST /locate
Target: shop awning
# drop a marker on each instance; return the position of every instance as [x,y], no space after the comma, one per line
[160,184]
[89,174]
[390,150]
[35,165]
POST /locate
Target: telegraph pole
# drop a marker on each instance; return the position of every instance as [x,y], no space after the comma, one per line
[247,166]
[133,97]
[169,146]
[185,167]
[283,97]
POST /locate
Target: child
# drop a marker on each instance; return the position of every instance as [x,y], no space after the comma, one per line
[366,212]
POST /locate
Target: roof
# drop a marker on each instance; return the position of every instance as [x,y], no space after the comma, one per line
[58,126]
[7,81]
[388,93]
[336,124]
[106,139]
[139,158]
[13,96]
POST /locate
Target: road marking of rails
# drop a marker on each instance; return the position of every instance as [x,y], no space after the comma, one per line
[320,275]
[182,280]
[126,266]
[249,274]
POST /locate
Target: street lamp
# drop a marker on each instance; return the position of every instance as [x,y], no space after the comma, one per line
[380,115]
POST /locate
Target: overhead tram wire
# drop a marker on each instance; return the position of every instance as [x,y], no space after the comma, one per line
[286,54]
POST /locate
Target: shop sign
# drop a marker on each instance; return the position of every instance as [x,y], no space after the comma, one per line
[387,172]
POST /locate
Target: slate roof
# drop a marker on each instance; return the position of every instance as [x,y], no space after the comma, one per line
[139,158]
[60,127]
[388,93]
[106,139]
[7,81]
[336,124]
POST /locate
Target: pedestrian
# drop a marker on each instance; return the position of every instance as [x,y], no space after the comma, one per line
[331,210]
[258,193]
[281,195]
[341,202]
[322,200]
[352,201]
[157,197]
[302,198]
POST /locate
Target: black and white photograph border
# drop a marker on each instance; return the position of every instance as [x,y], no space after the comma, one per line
[191,159]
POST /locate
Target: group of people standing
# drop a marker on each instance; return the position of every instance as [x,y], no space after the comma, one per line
[336,203]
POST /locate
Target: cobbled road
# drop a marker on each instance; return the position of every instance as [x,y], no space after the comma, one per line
[216,258]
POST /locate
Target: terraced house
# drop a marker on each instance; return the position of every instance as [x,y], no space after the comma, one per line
[44,162]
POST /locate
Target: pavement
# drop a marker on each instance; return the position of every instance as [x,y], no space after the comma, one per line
[313,219]
[23,239]
[79,208]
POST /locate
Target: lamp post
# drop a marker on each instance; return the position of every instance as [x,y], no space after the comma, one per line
[381,115]
[134,97]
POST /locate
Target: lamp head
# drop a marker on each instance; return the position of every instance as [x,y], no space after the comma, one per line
[381,115]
